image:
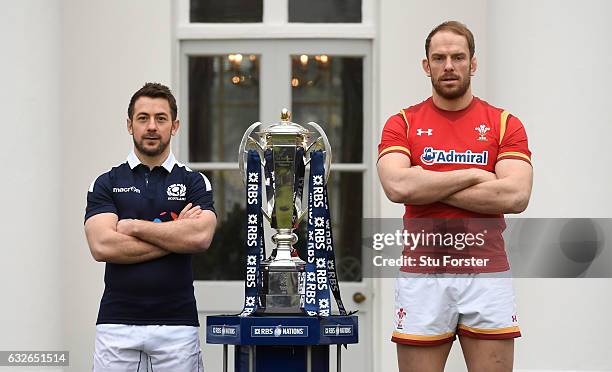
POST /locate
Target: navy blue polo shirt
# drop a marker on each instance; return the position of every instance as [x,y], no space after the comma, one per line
[159,291]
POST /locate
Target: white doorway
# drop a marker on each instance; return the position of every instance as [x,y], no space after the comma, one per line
[225,85]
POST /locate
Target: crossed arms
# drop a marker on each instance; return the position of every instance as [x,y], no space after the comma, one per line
[133,241]
[505,191]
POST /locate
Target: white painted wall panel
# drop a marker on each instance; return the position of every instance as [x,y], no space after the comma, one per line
[31,305]
[110,49]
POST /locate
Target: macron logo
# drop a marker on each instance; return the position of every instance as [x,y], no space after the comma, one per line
[126,189]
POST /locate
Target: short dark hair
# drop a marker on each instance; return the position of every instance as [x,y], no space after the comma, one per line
[154,90]
[456,28]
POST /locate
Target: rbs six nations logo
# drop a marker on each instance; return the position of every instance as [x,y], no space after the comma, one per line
[432,156]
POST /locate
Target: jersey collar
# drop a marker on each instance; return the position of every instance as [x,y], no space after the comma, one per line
[168,164]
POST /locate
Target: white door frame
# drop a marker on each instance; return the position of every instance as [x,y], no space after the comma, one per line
[275,92]
[264,38]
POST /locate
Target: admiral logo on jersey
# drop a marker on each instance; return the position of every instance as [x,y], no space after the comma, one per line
[432,156]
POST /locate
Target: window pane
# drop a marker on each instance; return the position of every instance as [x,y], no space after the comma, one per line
[226,11]
[225,259]
[346,203]
[325,11]
[329,91]
[223,102]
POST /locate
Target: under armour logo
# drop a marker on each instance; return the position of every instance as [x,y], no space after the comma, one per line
[420,132]
[514,320]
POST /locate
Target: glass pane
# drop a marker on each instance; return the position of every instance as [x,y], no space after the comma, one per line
[329,91]
[325,11]
[226,11]
[346,203]
[223,102]
[225,259]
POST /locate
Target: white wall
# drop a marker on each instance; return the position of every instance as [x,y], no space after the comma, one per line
[30,311]
[110,49]
[547,62]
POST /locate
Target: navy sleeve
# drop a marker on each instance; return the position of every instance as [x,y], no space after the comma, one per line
[200,192]
[100,197]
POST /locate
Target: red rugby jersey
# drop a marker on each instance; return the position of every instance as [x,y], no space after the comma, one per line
[437,140]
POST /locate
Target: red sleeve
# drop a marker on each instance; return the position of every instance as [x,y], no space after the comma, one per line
[394,137]
[514,141]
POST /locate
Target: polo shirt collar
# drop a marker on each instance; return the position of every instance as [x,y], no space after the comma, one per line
[168,164]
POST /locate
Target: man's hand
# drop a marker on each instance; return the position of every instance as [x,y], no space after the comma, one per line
[190,212]
[509,192]
[483,175]
[125,227]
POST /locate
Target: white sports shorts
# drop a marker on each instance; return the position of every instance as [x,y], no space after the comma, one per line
[430,309]
[147,348]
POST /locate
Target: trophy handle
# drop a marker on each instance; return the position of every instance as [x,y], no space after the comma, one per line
[242,149]
[246,143]
[326,148]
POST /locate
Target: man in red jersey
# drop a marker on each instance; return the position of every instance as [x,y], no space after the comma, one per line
[457,164]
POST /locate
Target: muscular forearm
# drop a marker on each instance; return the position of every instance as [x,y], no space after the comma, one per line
[119,248]
[417,186]
[180,236]
[492,197]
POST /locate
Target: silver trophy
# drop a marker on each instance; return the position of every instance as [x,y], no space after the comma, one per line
[282,272]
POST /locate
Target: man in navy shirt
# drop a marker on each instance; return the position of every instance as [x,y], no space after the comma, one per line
[145,218]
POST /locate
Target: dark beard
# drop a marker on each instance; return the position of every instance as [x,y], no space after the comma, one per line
[150,152]
[451,93]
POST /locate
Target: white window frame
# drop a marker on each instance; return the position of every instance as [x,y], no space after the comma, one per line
[274,25]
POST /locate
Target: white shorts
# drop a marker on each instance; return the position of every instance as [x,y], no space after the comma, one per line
[430,309]
[140,348]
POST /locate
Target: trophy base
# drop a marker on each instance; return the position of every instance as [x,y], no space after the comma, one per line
[281,290]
